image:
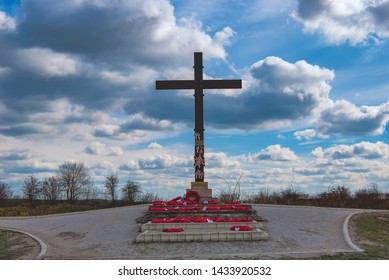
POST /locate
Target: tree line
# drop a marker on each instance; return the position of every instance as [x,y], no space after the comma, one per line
[336,196]
[74,182]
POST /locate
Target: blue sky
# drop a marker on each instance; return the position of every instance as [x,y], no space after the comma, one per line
[77,84]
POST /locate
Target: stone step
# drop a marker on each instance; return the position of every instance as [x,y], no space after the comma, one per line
[200,205]
[196,208]
[160,226]
[202,235]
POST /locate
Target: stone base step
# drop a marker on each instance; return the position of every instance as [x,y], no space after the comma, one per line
[202,235]
[160,226]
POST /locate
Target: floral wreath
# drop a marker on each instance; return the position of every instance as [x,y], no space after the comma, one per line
[192,196]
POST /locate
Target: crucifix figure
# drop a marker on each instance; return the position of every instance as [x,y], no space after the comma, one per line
[198,84]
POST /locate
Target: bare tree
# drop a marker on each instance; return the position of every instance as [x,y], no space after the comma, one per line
[5,191]
[51,190]
[91,193]
[31,188]
[148,197]
[111,183]
[74,179]
[131,191]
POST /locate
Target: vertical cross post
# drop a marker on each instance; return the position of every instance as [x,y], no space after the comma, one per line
[199,160]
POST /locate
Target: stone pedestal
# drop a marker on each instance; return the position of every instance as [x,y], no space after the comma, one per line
[202,189]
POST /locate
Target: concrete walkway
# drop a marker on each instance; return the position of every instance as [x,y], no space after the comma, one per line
[110,234]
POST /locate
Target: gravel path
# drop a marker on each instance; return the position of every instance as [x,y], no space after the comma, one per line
[109,234]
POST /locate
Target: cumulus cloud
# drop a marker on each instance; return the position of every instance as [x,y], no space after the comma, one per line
[307,171]
[353,21]
[30,167]
[343,117]
[273,153]
[305,134]
[15,155]
[278,90]
[365,150]
[163,161]
[152,32]
[46,62]
[97,148]
[4,71]
[20,130]
[141,122]
[130,165]
[105,58]
[154,145]
[106,130]
[7,23]
[115,151]
[221,160]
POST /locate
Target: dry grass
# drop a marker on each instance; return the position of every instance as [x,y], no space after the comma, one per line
[14,245]
[370,231]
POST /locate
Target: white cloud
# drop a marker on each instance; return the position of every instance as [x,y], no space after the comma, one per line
[223,37]
[7,23]
[152,32]
[305,134]
[353,21]
[15,155]
[101,149]
[154,145]
[221,160]
[130,165]
[318,152]
[274,153]
[4,71]
[365,150]
[142,122]
[96,148]
[115,151]
[300,79]
[106,130]
[138,77]
[48,63]
[343,117]
[309,171]
[163,161]
[276,93]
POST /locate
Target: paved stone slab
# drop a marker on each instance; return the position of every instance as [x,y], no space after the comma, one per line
[161,226]
[202,235]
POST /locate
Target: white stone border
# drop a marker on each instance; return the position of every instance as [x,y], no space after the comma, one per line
[345,227]
[346,233]
[40,241]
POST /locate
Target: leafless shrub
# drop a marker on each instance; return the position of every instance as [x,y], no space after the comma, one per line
[111,184]
[5,191]
[51,190]
[31,188]
[75,180]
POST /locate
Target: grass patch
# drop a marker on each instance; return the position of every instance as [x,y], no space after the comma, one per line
[22,207]
[15,245]
[371,233]
[24,210]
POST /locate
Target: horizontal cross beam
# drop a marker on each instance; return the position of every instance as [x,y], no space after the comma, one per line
[204,84]
[215,84]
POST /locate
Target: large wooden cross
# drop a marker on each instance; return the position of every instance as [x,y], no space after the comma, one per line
[198,84]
